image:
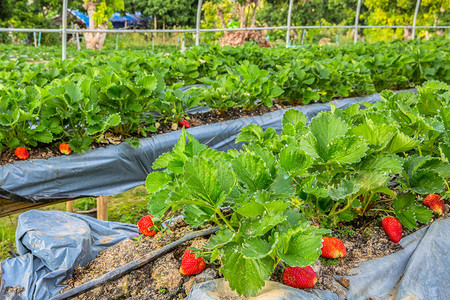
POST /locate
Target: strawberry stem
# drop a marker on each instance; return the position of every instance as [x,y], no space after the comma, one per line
[380,209]
[224,219]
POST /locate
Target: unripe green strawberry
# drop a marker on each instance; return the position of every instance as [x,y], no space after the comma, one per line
[144,224]
[300,278]
[333,248]
[21,153]
[435,203]
[190,265]
[393,228]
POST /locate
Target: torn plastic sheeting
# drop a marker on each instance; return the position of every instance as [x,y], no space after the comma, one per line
[51,244]
[421,270]
[118,168]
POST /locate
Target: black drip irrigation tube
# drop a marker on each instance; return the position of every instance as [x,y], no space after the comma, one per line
[118,168]
[135,264]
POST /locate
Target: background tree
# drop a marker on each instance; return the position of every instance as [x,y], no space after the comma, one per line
[165,13]
[99,11]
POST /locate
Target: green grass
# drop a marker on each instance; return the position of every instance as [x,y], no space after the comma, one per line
[127,207]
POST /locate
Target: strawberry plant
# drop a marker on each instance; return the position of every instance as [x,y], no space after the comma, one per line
[262,229]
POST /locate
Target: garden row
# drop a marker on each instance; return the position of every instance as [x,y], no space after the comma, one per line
[78,101]
[334,170]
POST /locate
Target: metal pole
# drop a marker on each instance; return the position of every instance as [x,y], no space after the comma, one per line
[64,30]
[416,12]
[77,35]
[288,33]
[197,29]
[358,9]
[35,39]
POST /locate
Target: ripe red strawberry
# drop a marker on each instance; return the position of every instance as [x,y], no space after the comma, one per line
[184,123]
[144,224]
[191,265]
[65,149]
[393,228]
[21,153]
[300,278]
[333,248]
[435,203]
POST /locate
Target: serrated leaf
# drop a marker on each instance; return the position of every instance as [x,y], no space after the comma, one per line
[113,120]
[407,218]
[295,118]
[176,164]
[427,182]
[157,205]
[196,215]
[326,127]
[162,161]
[156,180]
[194,147]
[349,149]
[388,163]
[403,201]
[43,137]
[435,164]
[236,267]
[207,181]
[252,172]
[346,189]
[303,250]
[267,156]
[250,133]
[261,224]
[255,248]
[276,206]
[423,214]
[294,160]
[444,113]
[376,135]
[74,92]
[282,184]
[401,143]
[221,238]
[250,209]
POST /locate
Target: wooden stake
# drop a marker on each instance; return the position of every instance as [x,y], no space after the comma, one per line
[102,208]
[69,205]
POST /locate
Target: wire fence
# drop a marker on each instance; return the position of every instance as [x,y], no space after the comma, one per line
[64,31]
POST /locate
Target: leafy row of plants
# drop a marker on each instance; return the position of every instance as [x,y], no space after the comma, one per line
[78,101]
[334,170]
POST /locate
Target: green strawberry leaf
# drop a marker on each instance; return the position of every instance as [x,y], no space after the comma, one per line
[157,205]
[303,249]
[252,172]
[255,248]
[401,143]
[326,127]
[294,160]
[236,267]
[221,238]
[196,215]
[156,181]
[260,225]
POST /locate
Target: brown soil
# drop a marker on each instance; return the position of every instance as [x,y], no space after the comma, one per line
[198,119]
[162,280]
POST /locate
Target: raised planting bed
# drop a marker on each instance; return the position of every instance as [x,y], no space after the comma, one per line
[278,196]
[117,168]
